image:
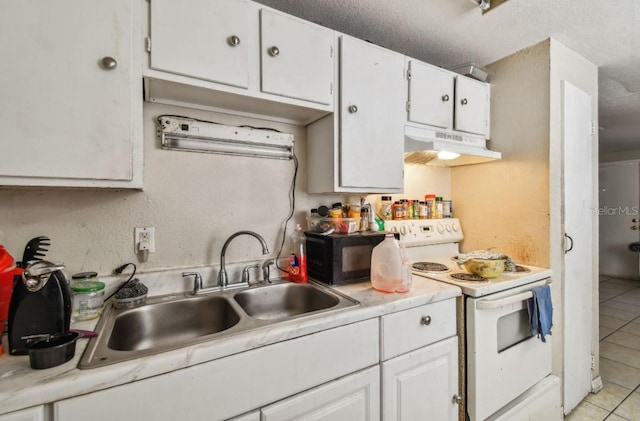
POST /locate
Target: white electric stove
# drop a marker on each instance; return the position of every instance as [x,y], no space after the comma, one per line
[507,370]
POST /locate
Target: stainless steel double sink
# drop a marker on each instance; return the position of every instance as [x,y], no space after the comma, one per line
[173,321]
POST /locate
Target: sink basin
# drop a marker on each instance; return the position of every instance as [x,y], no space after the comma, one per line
[174,321]
[168,323]
[284,301]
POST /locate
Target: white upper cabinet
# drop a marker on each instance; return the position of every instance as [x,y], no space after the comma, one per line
[296,58]
[204,39]
[237,55]
[446,100]
[430,95]
[371,116]
[71,89]
[472,106]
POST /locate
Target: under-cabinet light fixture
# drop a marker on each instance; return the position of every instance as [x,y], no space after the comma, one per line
[199,136]
[446,155]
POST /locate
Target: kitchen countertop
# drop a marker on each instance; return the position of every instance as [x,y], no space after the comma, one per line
[23,387]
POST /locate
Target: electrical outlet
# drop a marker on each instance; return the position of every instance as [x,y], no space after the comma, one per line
[144,239]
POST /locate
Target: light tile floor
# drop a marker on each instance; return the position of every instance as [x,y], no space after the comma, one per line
[619,398]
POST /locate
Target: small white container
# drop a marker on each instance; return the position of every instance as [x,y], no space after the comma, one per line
[88,296]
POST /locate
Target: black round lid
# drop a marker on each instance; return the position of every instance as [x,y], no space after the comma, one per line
[84,275]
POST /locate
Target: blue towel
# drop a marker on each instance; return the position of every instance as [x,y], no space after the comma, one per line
[540,312]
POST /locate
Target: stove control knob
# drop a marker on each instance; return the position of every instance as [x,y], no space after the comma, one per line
[448,227]
[440,228]
[394,229]
[403,229]
[455,227]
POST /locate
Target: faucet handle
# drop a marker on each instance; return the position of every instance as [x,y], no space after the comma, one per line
[266,271]
[245,273]
[197,281]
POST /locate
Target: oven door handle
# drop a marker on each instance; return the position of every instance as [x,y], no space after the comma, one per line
[501,302]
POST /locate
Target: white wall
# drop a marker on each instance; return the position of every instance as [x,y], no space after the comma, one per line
[194,200]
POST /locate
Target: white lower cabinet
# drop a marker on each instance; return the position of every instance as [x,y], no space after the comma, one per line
[422,384]
[36,413]
[226,387]
[352,398]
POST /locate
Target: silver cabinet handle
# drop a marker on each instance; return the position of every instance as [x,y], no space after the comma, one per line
[445,98]
[233,40]
[464,101]
[634,227]
[274,51]
[457,399]
[353,109]
[634,220]
[426,320]
[109,63]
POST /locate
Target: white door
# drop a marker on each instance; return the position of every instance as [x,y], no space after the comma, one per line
[203,39]
[430,95]
[472,105]
[372,107]
[352,398]
[35,413]
[296,58]
[64,113]
[422,384]
[578,213]
[618,218]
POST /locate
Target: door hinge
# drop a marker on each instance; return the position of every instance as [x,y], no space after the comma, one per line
[147,42]
[593,362]
[331,88]
[331,52]
[408,105]
[594,128]
[408,74]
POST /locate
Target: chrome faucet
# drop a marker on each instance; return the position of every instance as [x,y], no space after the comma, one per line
[265,270]
[222,276]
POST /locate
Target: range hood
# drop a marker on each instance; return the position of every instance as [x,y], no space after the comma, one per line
[422,146]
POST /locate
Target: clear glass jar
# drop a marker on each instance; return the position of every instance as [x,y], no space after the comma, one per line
[386,208]
[88,296]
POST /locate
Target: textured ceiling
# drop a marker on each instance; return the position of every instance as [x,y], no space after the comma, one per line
[453,32]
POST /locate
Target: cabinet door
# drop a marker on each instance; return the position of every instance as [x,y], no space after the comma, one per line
[422,384]
[430,95]
[30,414]
[472,106]
[296,58]
[203,39]
[66,114]
[371,116]
[352,398]
[251,416]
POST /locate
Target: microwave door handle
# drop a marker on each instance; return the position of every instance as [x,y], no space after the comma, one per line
[501,302]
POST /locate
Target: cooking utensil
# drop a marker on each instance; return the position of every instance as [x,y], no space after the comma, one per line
[55,350]
[35,250]
[487,268]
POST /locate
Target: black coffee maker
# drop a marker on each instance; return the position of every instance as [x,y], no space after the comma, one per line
[40,305]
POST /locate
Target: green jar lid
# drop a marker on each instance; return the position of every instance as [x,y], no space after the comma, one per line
[88,286]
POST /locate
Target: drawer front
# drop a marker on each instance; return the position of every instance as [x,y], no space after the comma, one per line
[407,330]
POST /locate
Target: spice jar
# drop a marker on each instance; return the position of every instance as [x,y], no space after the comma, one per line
[386,208]
[431,204]
[439,208]
[88,295]
[398,210]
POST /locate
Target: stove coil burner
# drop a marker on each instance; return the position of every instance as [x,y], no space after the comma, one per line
[467,277]
[429,267]
[522,269]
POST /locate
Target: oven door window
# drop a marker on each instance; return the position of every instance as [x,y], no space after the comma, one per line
[513,328]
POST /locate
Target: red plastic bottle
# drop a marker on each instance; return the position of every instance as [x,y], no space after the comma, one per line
[297,267]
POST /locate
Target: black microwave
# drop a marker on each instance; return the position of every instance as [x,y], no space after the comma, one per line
[337,258]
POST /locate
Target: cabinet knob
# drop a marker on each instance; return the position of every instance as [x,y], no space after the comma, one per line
[426,320]
[457,399]
[463,101]
[274,51]
[634,227]
[233,40]
[109,63]
[445,98]
[634,220]
[353,109]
